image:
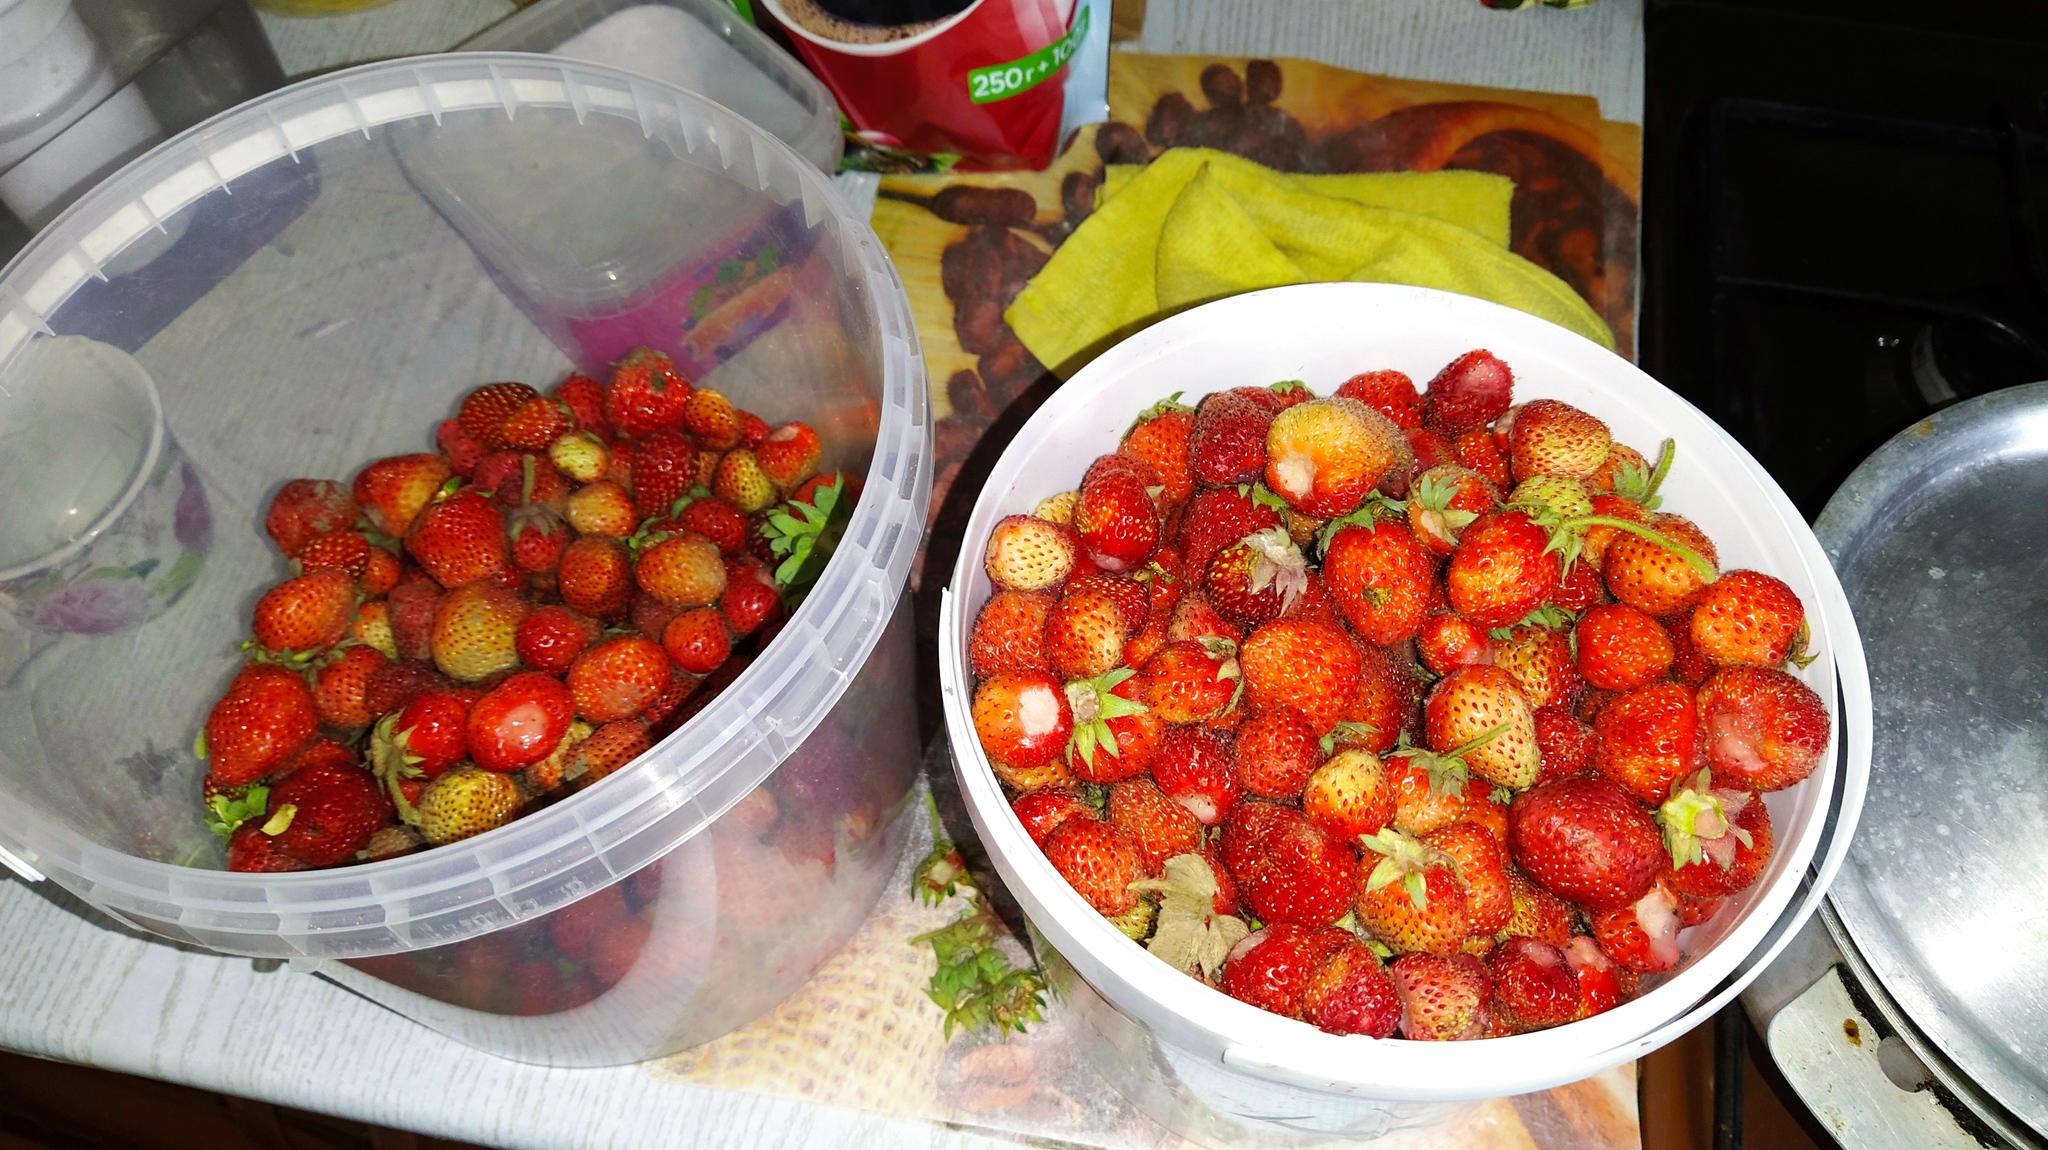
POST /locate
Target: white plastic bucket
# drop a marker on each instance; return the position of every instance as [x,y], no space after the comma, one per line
[1322,334]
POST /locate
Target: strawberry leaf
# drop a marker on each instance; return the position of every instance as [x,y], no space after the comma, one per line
[1188,932]
[280,820]
[225,813]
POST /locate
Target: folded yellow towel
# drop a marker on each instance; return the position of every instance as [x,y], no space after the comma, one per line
[1197,225]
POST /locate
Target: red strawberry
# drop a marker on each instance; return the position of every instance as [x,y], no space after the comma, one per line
[1194,618]
[1326,455]
[1763,729]
[1271,969]
[519,723]
[1191,680]
[1084,635]
[1381,706]
[664,470]
[1159,827]
[336,551]
[1192,767]
[1391,393]
[1565,743]
[1579,587]
[1132,596]
[1538,913]
[1540,660]
[1503,569]
[1533,984]
[1442,999]
[1022,717]
[485,410]
[1464,711]
[1594,538]
[1551,437]
[1098,860]
[1275,753]
[1216,518]
[1430,790]
[334,806]
[1409,895]
[1585,839]
[461,449]
[682,570]
[380,573]
[1687,663]
[1648,739]
[1483,867]
[698,641]
[712,419]
[1469,393]
[393,685]
[305,508]
[1719,838]
[264,718]
[1117,521]
[1351,993]
[432,731]
[1115,736]
[618,678]
[1447,641]
[305,615]
[1042,811]
[1620,648]
[1349,795]
[789,455]
[338,687]
[1161,438]
[645,394]
[584,397]
[1381,579]
[1227,443]
[751,598]
[1257,579]
[252,851]
[1644,936]
[535,424]
[1747,618]
[1653,578]
[459,540]
[1477,452]
[1444,501]
[1308,665]
[718,521]
[1026,553]
[1286,869]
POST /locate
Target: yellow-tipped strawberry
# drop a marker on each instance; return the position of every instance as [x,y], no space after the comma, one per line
[475,628]
[789,455]
[372,628]
[466,802]
[741,482]
[602,508]
[1326,455]
[1058,508]
[1026,553]
[581,456]
[712,419]
[1551,437]
[392,492]
[1479,714]
[683,569]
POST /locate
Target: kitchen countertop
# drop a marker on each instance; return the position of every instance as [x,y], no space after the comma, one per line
[77,987]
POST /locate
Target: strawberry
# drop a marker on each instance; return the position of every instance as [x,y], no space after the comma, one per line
[584,398]
[1084,634]
[484,411]
[535,424]
[1480,714]
[459,540]
[1271,968]
[616,950]
[1191,680]
[518,723]
[594,577]
[539,537]
[1218,517]
[1551,437]
[1132,596]
[1613,472]
[1540,660]
[1115,736]
[1430,790]
[1564,742]
[645,394]
[711,419]
[466,802]
[1747,618]
[327,809]
[580,456]
[1447,641]
[266,715]
[1306,664]
[1687,663]
[1409,895]
[664,470]
[1391,393]
[1099,860]
[1594,538]
[697,640]
[1719,839]
[618,678]
[1692,910]
[602,508]
[304,509]
[1042,811]
[1483,867]
[1026,553]
[1275,753]
[251,851]
[1161,438]
[1644,936]
[1381,579]
[1585,839]
[1534,985]
[1159,827]
[372,628]
[393,685]
[739,481]
[1442,999]
[1058,508]
[789,455]
[306,615]
[682,570]
[608,748]
[1381,705]
[1477,452]
[1257,579]
[621,469]
[1192,767]
[1227,441]
[1351,993]
[1022,717]
[338,687]
[1194,618]
[1469,393]
[1599,986]
[1763,729]
[1538,913]
[1654,578]
[1349,795]
[1326,455]
[1502,570]
[1579,587]
[1620,648]
[431,732]
[1286,869]
[716,520]
[751,597]
[336,551]
[459,447]
[476,628]
[1648,739]
[1116,519]
[1445,500]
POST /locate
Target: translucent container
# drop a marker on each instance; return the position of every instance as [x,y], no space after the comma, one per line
[303,298]
[1225,1072]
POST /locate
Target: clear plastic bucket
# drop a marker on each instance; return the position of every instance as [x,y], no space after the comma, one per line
[311,282]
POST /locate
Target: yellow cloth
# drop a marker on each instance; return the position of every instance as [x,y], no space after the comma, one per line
[1197,225]
[1477,201]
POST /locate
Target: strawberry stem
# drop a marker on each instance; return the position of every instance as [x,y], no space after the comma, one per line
[1665,455]
[1692,558]
[1471,745]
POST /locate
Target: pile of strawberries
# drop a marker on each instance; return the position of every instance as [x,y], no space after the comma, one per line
[1393,712]
[468,634]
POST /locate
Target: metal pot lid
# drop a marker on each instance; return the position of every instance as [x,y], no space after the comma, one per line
[1941,542]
